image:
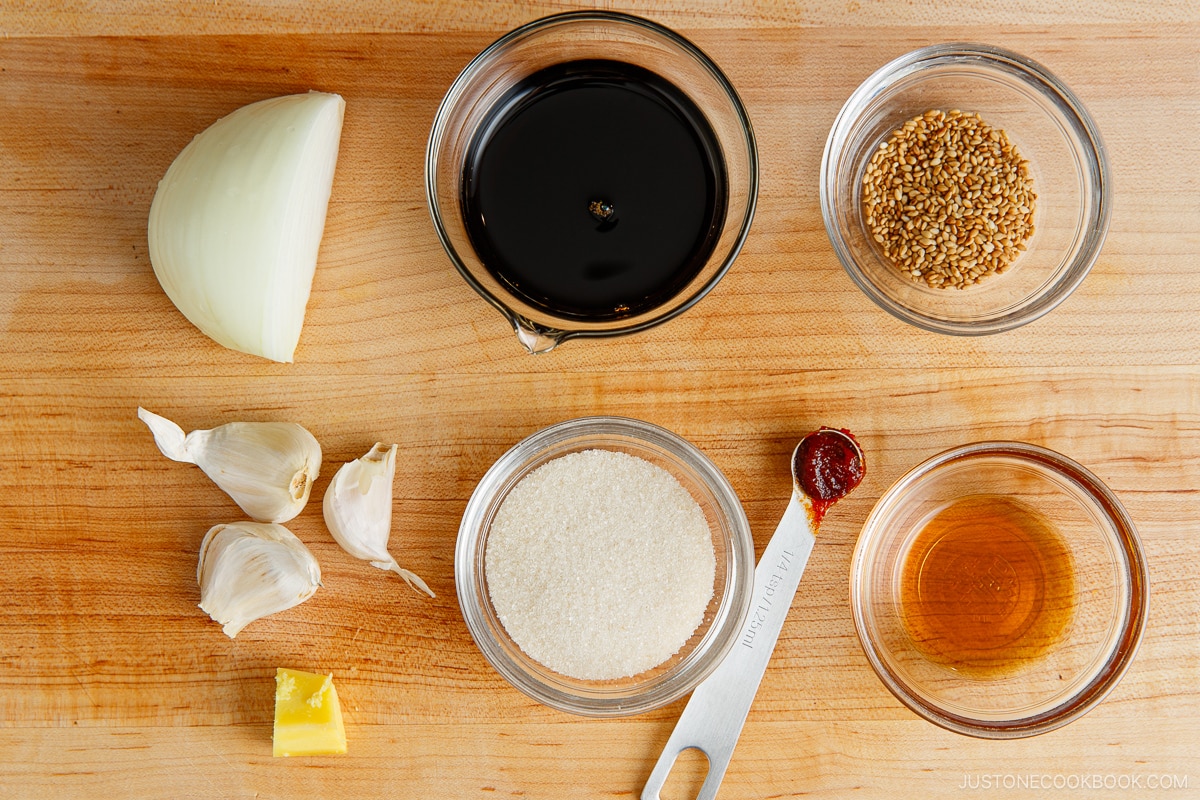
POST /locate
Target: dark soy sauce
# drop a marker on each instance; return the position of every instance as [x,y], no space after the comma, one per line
[595,190]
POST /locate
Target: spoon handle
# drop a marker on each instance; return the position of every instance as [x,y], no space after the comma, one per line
[713,718]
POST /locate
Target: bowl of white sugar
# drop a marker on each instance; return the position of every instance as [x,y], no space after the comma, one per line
[604,566]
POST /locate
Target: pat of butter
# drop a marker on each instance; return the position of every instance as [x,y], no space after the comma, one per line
[308,717]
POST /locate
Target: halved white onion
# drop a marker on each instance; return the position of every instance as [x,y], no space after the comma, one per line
[238,218]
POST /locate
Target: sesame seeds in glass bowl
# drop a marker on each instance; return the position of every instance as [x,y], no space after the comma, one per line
[930,168]
[949,200]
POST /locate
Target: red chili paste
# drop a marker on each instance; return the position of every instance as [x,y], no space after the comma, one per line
[828,465]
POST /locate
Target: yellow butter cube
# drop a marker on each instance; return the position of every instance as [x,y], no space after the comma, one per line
[308,717]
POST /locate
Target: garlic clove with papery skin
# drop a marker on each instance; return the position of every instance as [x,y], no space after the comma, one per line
[358,510]
[248,570]
[268,468]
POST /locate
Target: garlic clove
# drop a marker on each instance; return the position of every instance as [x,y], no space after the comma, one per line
[358,510]
[268,468]
[358,503]
[248,570]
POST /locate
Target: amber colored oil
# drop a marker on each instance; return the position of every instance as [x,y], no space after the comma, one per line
[987,587]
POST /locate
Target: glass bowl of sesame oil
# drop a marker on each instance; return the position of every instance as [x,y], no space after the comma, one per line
[965,189]
[999,589]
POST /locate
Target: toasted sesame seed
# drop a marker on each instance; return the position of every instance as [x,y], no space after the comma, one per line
[949,199]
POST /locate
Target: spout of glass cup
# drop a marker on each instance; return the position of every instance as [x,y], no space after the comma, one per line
[536,339]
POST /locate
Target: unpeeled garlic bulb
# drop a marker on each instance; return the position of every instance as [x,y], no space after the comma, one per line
[358,510]
[268,468]
[248,570]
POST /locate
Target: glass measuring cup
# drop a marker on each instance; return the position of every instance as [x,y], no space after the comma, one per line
[487,80]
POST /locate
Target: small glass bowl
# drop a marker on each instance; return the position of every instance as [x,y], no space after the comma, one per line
[568,37]
[1047,124]
[733,547]
[1109,602]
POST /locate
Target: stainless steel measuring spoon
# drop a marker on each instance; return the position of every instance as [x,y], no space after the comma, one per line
[827,465]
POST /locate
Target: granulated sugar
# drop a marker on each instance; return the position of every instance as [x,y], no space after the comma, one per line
[600,564]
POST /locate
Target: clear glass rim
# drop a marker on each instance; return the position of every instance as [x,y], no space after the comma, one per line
[531,329]
[617,701]
[1132,561]
[1083,129]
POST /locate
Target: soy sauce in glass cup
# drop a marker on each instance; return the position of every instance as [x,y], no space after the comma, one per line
[591,174]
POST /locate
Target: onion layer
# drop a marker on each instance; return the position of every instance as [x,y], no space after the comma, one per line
[237,221]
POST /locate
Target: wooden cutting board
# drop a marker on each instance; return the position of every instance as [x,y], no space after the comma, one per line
[113,682]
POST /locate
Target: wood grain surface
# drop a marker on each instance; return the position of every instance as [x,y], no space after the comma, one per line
[114,684]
